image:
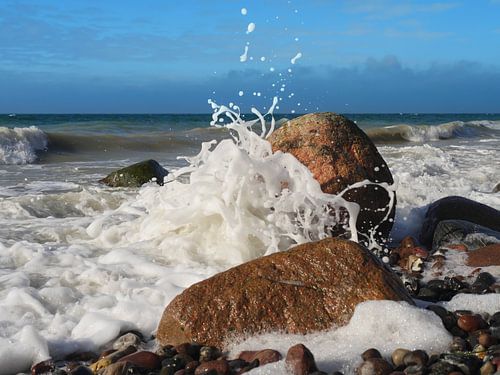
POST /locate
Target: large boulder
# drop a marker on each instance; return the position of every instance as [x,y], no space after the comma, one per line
[136,175]
[311,287]
[340,154]
[457,208]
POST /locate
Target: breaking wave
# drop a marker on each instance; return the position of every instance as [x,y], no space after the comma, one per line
[20,145]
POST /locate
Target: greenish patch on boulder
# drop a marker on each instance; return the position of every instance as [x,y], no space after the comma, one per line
[136,175]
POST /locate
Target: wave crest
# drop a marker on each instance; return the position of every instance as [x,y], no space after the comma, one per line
[20,145]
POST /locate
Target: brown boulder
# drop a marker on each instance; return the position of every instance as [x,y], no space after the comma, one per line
[311,287]
[340,154]
[484,256]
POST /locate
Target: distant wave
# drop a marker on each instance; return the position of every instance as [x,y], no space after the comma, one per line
[20,145]
[427,133]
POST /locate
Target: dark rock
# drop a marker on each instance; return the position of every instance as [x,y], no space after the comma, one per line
[494,320]
[192,350]
[470,323]
[416,358]
[43,367]
[371,353]
[177,362]
[81,370]
[459,345]
[308,288]
[300,360]
[136,175]
[167,351]
[468,364]
[442,368]
[415,370]
[375,366]
[340,154]
[219,367]
[456,208]
[484,256]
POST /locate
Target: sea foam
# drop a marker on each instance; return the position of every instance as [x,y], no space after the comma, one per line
[20,145]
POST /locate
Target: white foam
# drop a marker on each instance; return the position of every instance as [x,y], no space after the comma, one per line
[296,57]
[19,145]
[244,56]
[385,325]
[244,11]
[489,303]
[250,27]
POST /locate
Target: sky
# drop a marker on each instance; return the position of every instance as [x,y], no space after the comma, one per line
[169,56]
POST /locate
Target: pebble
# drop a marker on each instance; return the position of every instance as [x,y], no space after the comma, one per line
[300,360]
[398,356]
[43,367]
[143,359]
[263,356]
[375,366]
[129,339]
[193,350]
[209,353]
[470,323]
[118,368]
[416,357]
[371,353]
[219,367]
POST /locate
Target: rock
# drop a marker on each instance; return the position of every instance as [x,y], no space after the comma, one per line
[193,350]
[398,356]
[485,256]
[375,366]
[43,367]
[371,353]
[300,360]
[209,353]
[263,356]
[311,287]
[143,359]
[470,323]
[416,358]
[219,367]
[81,370]
[128,339]
[340,154]
[136,175]
[456,208]
[118,368]
[112,358]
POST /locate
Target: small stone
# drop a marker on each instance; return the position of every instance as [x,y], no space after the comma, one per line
[415,370]
[209,353]
[371,353]
[459,345]
[416,357]
[264,356]
[81,370]
[191,349]
[143,359]
[486,277]
[167,351]
[398,356]
[375,366]
[129,339]
[180,372]
[219,367]
[191,366]
[118,368]
[300,360]
[487,368]
[43,367]
[442,368]
[470,323]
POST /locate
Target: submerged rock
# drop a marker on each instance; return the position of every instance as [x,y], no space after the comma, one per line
[311,287]
[136,175]
[340,154]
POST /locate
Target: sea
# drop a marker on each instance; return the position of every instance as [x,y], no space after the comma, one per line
[81,262]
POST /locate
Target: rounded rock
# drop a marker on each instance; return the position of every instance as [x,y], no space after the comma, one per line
[300,360]
[219,367]
[416,357]
[128,339]
[371,353]
[209,353]
[398,356]
[375,366]
[143,359]
[470,323]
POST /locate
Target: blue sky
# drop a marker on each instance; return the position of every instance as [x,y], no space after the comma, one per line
[166,56]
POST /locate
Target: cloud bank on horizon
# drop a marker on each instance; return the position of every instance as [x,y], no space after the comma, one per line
[161,57]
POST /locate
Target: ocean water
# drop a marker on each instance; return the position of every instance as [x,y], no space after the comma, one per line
[81,262]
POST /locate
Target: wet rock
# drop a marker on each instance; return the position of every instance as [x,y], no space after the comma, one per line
[415,370]
[398,356]
[112,358]
[487,368]
[470,323]
[192,350]
[136,175]
[177,362]
[416,358]
[484,256]
[129,339]
[118,368]
[308,288]
[209,353]
[81,370]
[375,366]
[219,367]
[263,356]
[300,360]
[191,366]
[43,367]
[371,353]
[340,154]
[442,368]
[456,208]
[459,345]
[468,364]
[143,359]
[486,339]
[167,351]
